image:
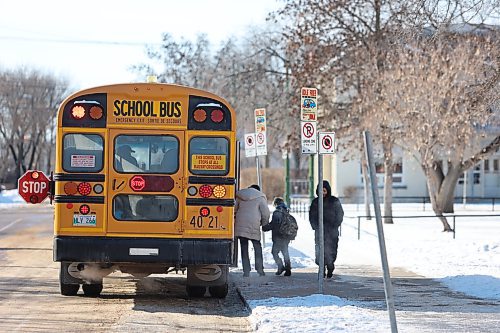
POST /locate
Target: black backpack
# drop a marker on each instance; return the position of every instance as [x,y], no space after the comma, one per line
[288,227]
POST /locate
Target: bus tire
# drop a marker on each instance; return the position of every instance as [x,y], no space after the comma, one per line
[92,290]
[219,291]
[69,289]
[195,291]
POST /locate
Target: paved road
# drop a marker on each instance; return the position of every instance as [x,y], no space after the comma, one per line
[30,300]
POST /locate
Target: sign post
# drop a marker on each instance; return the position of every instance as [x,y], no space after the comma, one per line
[33,186]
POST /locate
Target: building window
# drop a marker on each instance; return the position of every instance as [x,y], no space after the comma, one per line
[495,166]
[486,166]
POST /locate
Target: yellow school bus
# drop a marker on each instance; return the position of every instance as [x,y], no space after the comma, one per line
[144,184]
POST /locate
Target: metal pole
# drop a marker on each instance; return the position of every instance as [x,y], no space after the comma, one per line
[257,163]
[465,189]
[311,178]
[359,225]
[453,226]
[259,182]
[320,225]
[381,240]
[287,179]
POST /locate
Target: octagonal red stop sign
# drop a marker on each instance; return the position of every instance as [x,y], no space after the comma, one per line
[137,183]
[33,186]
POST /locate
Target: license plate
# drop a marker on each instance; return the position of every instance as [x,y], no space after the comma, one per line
[84,220]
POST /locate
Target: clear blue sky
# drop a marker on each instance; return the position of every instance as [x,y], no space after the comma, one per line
[95,42]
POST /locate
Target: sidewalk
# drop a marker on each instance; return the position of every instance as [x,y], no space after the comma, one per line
[422,304]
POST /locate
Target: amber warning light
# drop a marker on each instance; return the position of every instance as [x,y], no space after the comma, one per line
[81,109]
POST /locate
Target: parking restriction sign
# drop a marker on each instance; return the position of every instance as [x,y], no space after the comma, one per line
[326,142]
[250,150]
[308,137]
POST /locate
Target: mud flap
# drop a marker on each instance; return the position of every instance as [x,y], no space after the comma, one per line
[207,275]
[65,276]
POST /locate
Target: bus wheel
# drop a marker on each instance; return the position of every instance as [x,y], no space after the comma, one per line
[218,291]
[92,290]
[195,291]
[69,289]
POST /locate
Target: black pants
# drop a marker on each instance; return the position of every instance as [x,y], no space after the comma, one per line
[330,249]
[259,261]
[281,245]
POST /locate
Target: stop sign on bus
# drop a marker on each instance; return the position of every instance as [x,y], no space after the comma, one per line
[33,186]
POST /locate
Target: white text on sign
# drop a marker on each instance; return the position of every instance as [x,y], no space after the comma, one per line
[33,187]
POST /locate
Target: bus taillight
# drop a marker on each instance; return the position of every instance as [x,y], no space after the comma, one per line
[200,115]
[84,188]
[219,191]
[205,191]
[70,188]
[217,116]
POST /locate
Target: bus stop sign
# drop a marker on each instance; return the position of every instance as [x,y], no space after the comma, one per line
[33,186]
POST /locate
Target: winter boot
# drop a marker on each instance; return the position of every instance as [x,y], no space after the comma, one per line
[329,275]
[288,270]
[280,270]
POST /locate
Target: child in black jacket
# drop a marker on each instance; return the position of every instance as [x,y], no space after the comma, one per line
[280,243]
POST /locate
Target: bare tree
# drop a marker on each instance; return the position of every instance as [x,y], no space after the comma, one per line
[28,105]
[351,39]
[447,92]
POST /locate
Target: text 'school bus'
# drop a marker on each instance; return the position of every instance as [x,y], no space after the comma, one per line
[144,184]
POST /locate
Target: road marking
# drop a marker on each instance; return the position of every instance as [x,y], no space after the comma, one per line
[11,224]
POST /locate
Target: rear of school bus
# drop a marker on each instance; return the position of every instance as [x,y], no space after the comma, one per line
[144,184]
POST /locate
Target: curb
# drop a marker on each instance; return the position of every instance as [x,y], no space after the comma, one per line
[242,298]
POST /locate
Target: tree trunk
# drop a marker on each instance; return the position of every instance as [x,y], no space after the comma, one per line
[364,171]
[433,187]
[388,170]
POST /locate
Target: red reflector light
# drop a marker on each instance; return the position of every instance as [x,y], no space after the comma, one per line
[204,211]
[219,209]
[84,209]
[217,116]
[205,191]
[96,112]
[84,188]
[200,115]
[78,112]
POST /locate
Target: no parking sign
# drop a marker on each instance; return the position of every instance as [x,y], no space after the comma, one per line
[326,142]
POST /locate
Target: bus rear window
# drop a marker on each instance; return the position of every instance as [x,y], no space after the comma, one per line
[209,156]
[146,154]
[83,153]
[153,208]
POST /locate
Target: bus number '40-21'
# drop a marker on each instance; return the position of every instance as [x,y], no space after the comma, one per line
[200,222]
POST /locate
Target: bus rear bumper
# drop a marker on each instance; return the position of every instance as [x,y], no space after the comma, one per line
[143,250]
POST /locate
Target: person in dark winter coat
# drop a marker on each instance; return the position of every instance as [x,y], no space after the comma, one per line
[251,212]
[280,242]
[333,214]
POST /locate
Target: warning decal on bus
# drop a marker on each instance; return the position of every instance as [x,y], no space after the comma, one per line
[208,162]
[83,161]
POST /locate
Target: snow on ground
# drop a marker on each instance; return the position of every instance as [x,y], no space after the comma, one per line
[470,264]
